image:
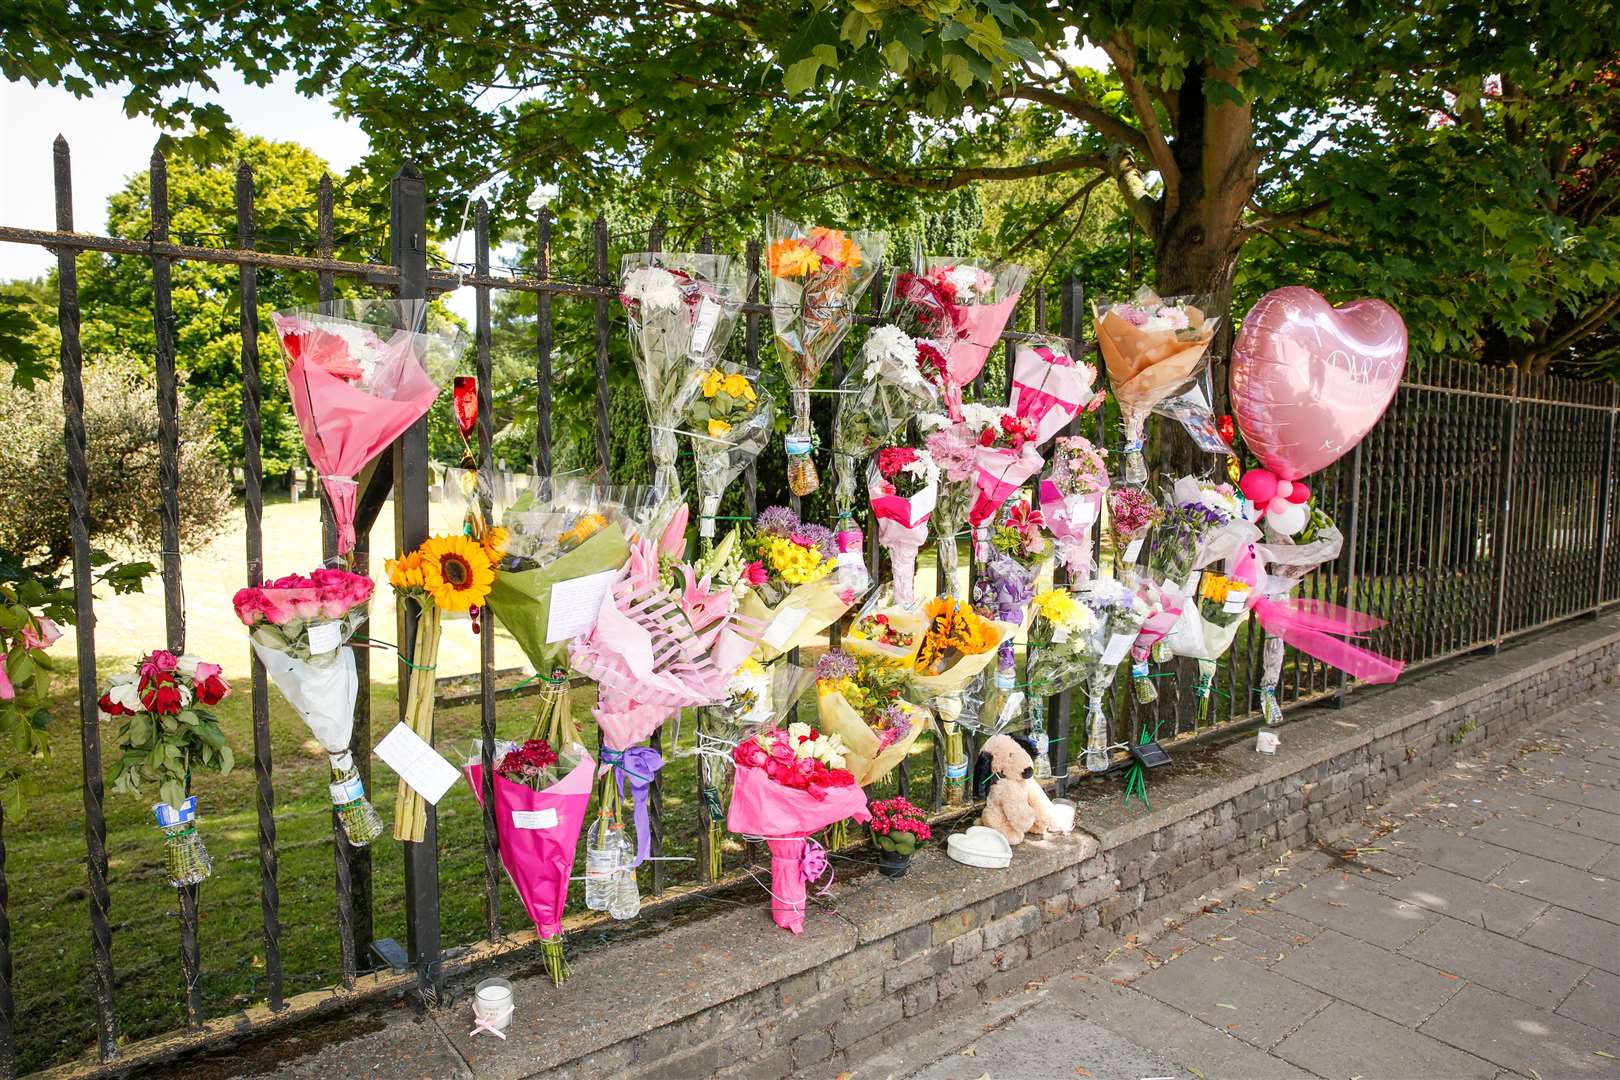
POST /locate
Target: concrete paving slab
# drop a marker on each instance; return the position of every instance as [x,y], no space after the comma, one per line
[1343,1037]
[1596,823]
[1561,762]
[1577,936]
[1378,980]
[1578,890]
[1596,796]
[1191,1043]
[1508,966]
[1048,1042]
[1459,854]
[1226,992]
[1520,1037]
[1490,907]
[1595,1002]
[1361,913]
[1543,841]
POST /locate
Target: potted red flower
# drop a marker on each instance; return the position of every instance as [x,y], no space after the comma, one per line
[898,828]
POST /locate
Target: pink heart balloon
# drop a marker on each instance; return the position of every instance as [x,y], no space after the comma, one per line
[1309,380]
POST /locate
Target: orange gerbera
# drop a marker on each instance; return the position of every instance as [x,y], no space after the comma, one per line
[456,573]
[792,258]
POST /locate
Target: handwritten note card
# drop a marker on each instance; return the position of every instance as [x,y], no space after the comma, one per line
[417,763]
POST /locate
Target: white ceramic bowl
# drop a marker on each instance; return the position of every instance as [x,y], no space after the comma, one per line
[980,846]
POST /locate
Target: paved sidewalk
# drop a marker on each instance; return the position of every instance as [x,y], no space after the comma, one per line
[1471,932]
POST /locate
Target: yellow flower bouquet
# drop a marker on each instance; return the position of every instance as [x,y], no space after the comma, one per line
[729,423]
[858,698]
[793,590]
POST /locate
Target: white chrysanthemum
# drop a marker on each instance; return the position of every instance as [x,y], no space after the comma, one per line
[923,468]
[965,280]
[654,287]
[979,416]
[889,345]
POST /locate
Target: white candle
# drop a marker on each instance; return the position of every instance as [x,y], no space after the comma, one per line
[1266,742]
[492,1002]
[1062,816]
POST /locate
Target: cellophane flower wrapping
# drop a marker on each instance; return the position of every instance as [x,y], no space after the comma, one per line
[1164,603]
[951,444]
[1071,498]
[794,591]
[1049,387]
[903,484]
[783,815]
[960,710]
[300,627]
[560,539]
[359,373]
[880,393]
[681,307]
[1119,615]
[1065,637]
[537,826]
[756,698]
[971,301]
[1130,512]
[860,699]
[885,630]
[1195,521]
[1005,455]
[817,276]
[730,422]
[1154,348]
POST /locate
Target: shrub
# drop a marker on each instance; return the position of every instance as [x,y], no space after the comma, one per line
[121,426]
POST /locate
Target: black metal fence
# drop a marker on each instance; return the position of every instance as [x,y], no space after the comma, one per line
[1481,508]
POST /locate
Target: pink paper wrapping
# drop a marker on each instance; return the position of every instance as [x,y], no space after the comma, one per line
[1047,393]
[1071,528]
[999,473]
[902,528]
[1311,625]
[981,329]
[784,816]
[1157,625]
[344,427]
[539,860]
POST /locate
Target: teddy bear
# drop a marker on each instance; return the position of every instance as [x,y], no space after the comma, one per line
[1004,776]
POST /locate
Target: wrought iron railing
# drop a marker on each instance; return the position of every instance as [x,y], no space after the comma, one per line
[1481,508]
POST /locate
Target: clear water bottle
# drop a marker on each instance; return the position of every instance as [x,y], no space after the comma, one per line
[624,901]
[604,847]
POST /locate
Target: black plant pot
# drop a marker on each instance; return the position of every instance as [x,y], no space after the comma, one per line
[893,864]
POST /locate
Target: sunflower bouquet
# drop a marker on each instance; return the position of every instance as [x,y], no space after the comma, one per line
[793,593]
[681,307]
[445,574]
[730,421]
[860,698]
[957,646]
[817,278]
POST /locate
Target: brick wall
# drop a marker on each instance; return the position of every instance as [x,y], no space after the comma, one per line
[947,938]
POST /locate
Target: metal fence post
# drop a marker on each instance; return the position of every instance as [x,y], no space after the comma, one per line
[1500,543]
[408,245]
[1605,504]
[1352,534]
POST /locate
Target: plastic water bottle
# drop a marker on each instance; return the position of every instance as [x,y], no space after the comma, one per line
[604,847]
[625,899]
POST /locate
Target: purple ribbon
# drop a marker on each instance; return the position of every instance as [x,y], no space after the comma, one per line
[814,863]
[641,765]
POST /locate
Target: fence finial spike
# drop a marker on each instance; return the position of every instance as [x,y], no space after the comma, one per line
[60,144]
[409,171]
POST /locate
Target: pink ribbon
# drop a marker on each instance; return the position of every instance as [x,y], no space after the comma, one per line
[487,1024]
[814,863]
[1311,625]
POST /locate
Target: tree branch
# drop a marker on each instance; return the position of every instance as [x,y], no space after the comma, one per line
[1158,147]
[1145,209]
[1080,108]
[1595,318]
[1083,192]
[948,181]
[1287,219]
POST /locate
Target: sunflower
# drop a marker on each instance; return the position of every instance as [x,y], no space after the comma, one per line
[494,543]
[455,572]
[405,572]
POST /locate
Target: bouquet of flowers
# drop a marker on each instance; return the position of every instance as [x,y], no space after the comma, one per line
[951,444]
[540,801]
[1049,388]
[858,699]
[756,698]
[681,306]
[964,304]
[817,278]
[879,395]
[445,574]
[898,828]
[957,646]
[1063,637]
[1019,547]
[790,784]
[1005,457]
[300,629]
[1071,501]
[1154,348]
[788,567]
[1119,614]
[357,374]
[667,636]
[1131,513]
[1208,622]
[1194,513]
[903,485]
[883,631]
[1164,603]
[732,420]
[166,734]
